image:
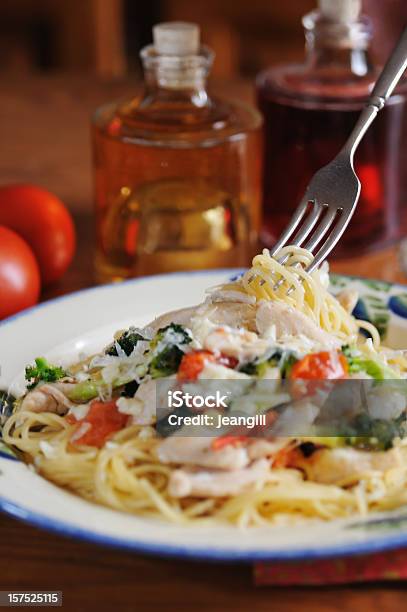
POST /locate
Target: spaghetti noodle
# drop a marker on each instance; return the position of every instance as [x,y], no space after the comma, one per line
[131,468]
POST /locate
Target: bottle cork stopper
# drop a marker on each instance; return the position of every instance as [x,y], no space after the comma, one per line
[176,38]
[342,11]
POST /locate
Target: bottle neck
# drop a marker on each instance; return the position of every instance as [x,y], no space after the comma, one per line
[337,46]
[176,78]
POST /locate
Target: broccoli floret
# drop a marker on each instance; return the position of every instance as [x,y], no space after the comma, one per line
[163,426]
[252,368]
[128,340]
[167,359]
[130,389]
[173,333]
[88,389]
[374,434]
[85,391]
[42,371]
[166,362]
[286,363]
[357,363]
[284,360]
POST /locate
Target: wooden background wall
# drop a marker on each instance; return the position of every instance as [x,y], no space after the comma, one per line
[104,36]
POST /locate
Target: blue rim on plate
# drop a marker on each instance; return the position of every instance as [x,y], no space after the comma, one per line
[376,543]
[389,542]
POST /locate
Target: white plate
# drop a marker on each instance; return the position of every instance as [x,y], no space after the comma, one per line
[84,322]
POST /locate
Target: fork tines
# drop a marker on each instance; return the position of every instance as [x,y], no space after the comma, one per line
[309,215]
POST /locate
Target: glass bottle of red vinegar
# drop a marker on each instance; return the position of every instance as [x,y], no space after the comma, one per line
[309,111]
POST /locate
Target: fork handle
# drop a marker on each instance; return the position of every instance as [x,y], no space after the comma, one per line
[385,84]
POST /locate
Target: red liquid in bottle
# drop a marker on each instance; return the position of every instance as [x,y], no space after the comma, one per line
[299,141]
[309,112]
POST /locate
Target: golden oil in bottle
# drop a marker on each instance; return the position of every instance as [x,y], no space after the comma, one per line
[177,172]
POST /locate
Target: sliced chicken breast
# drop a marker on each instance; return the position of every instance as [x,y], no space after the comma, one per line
[180,317]
[287,321]
[334,466]
[198,451]
[184,483]
[48,398]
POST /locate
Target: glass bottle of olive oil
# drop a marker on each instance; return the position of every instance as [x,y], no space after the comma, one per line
[177,171]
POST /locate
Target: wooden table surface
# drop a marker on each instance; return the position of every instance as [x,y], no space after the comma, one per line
[44,134]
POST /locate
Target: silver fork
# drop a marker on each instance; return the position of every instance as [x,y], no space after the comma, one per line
[333,192]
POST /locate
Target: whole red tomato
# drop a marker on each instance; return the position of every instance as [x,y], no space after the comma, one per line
[44,222]
[19,274]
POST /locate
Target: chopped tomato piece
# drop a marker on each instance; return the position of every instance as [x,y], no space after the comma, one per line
[102,420]
[286,457]
[227,440]
[244,434]
[321,366]
[327,365]
[227,361]
[193,363]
